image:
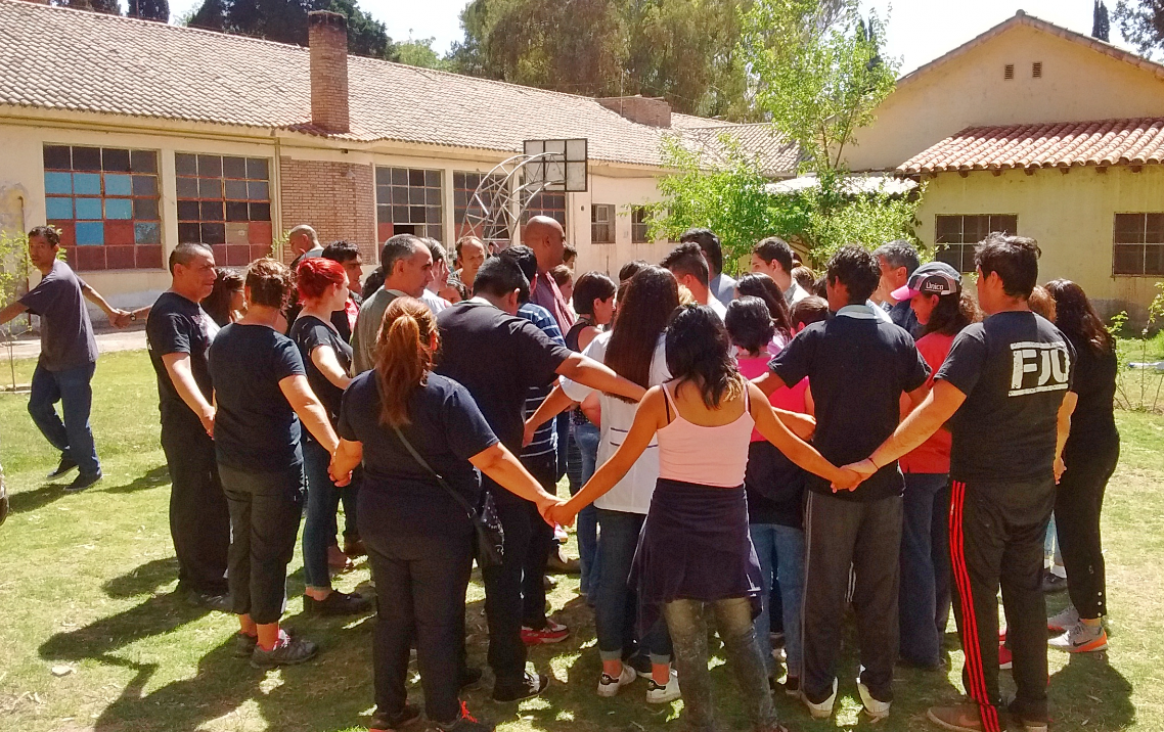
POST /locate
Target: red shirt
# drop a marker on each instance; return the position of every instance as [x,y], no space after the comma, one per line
[544,291]
[933,455]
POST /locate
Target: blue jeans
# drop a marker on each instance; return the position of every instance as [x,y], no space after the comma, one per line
[780,550]
[323,499]
[586,437]
[924,599]
[73,389]
[616,604]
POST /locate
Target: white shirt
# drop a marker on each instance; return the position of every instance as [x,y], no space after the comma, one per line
[633,493]
[435,304]
[719,308]
[794,294]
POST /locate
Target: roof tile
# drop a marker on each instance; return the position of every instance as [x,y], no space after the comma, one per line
[1061,145]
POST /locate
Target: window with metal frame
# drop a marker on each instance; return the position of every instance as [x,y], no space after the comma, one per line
[224,202]
[104,203]
[1138,244]
[958,235]
[602,217]
[409,201]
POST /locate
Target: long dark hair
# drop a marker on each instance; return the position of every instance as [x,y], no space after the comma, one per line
[403,356]
[217,303]
[952,313]
[650,300]
[1076,317]
[765,288]
[699,351]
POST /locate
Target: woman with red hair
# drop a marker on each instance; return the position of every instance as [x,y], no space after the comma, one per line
[323,289]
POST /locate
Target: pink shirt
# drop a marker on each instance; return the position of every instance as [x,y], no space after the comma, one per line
[788,398]
[544,291]
[712,456]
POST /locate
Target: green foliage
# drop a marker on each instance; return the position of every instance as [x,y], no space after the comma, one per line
[1141,23]
[158,10]
[682,50]
[110,7]
[285,21]
[729,199]
[419,52]
[818,72]
[1140,389]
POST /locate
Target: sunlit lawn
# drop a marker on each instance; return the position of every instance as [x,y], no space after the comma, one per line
[86,583]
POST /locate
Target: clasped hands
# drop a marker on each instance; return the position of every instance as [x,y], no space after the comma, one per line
[854,474]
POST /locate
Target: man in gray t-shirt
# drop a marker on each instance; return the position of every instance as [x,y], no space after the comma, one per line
[68,355]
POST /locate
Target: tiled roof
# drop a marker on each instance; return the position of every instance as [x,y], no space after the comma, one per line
[112,65]
[1063,145]
[778,157]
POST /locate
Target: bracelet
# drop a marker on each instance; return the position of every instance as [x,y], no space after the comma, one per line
[871,462]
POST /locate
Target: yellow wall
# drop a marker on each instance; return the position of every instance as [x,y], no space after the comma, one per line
[1072,216]
[1078,84]
[22,200]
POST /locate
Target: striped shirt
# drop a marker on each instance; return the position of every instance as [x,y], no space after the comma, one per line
[545,440]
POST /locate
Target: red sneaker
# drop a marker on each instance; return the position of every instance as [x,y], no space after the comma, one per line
[552,633]
[1004,658]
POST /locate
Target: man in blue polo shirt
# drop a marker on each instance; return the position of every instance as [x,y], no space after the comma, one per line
[68,356]
[858,365]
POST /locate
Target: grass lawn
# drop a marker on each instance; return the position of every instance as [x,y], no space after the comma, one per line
[87,580]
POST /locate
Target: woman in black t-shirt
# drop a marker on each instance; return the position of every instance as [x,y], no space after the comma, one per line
[1090,457]
[419,539]
[261,393]
[323,289]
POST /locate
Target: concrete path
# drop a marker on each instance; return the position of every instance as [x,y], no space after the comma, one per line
[130,339]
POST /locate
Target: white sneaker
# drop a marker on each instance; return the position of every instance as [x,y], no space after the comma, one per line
[608,686]
[1081,638]
[824,710]
[657,694]
[1064,621]
[877,710]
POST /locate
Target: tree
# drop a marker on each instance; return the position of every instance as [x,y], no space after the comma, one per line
[285,21]
[111,7]
[1100,24]
[1141,23]
[818,72]
[682,50]
[158,10]
[419,52]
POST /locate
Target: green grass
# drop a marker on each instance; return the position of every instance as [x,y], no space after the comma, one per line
[86,583]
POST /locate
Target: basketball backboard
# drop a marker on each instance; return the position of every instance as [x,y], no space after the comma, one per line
[556,165]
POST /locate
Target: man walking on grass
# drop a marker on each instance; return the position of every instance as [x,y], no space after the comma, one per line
[1005,392]
[178,334]
[68,357]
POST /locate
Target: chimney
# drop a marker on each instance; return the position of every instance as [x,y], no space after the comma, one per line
[653,111]
[327,37]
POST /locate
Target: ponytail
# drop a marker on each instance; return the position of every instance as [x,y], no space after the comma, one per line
[403,356]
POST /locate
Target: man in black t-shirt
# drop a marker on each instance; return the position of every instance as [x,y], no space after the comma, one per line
[498,357]
[859,365]
[1006,391]
[68,356]
[178,335]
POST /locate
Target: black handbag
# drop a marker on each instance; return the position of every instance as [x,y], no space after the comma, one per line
[486,522]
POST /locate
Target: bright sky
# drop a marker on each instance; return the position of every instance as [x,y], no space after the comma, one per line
[919,30]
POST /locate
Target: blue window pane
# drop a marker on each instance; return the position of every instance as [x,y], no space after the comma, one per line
[90,233]
[87,184]
[118,208]
[58,183]
[88,208]
[58,208]
[147,233]
[118,185]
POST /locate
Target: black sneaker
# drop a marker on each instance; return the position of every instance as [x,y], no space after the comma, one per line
[244,645]
[383,722]
[529,687]
[466,723]
[792,686]
[210,601]
[287,652]
[81,482]
[1053,582]
[66,465]
[337,603]
[470,678]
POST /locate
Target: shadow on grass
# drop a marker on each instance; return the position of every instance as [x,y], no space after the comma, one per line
[144,580]
[155,477]
[1096,695]
[37,498]
[156,616]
